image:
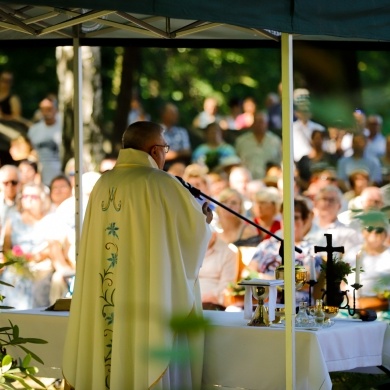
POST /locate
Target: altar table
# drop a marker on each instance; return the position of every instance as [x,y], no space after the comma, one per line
[238,356]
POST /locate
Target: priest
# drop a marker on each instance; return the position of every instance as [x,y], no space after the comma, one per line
[143,240]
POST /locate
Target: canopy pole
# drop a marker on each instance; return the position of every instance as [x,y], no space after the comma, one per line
[78,136]
[288,208]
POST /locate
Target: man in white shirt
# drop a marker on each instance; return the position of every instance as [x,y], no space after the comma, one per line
[302,130]
[46,138]
[258,147]
[327,205]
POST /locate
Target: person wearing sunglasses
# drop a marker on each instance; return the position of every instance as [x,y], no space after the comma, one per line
[9,190]
[374,254]
[143,241]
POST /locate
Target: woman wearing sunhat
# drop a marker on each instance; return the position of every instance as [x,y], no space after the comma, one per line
[374,260]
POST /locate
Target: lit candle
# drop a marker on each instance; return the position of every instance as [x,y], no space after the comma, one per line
[357,266]
[313,275]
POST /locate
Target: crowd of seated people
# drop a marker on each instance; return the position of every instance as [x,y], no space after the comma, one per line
[340,174]
[37,236]
[37,217]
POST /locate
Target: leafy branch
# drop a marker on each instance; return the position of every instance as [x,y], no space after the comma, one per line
[16,370]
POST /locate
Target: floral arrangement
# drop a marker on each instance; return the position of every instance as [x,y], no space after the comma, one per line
[19,261]
[341,269]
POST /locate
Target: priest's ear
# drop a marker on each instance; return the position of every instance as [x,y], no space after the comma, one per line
[153,151]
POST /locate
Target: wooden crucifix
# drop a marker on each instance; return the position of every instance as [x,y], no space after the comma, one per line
[332,296]
[329,249]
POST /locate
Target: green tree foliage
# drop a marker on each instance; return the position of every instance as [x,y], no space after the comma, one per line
[186,76]
[374,67]
[35,76]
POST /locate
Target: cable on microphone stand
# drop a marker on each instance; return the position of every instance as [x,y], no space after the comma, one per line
[199,194]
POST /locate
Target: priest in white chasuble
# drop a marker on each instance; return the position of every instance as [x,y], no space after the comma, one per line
[143,240]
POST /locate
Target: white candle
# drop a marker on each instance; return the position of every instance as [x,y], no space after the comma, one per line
[357,267]
[313,275]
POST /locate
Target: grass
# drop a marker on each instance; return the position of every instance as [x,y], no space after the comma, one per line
[359,381]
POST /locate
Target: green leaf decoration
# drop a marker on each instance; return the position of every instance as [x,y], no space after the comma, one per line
[20,380]
[6,307]
[32,370]
[26,361]
[33,355]
[16,331]
[36,380]
[6,284]
[6,363]
[188,323]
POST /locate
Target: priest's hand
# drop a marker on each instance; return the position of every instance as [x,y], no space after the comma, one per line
[207,212]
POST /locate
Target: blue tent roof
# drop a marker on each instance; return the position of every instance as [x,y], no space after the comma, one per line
[345,19]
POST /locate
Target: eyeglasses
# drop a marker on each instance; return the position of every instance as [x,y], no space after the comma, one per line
[166,147]
[12,182]
[376,230]
[30,196]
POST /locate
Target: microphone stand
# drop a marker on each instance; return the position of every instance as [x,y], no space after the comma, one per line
[199,194]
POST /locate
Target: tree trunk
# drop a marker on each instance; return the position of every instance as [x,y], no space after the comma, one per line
[130,63]
[91,101]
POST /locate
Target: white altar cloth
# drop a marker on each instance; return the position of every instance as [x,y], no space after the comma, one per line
[237,356]
[242,357]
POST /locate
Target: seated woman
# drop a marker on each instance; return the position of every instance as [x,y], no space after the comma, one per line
[234,230]
[266,258]
[219,269]
[266,209]
[374,260]
[38,278]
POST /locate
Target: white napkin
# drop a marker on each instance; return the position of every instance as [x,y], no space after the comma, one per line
[248,306]
[272,302]
[271,284]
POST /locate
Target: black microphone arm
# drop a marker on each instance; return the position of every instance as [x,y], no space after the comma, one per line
[199,194]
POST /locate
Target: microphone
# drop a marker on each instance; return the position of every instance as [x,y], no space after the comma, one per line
[194,191]
[199,194]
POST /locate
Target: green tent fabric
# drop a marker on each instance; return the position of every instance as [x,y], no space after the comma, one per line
[347,19]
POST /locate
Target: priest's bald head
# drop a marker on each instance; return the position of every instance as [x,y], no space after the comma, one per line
[147,137]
